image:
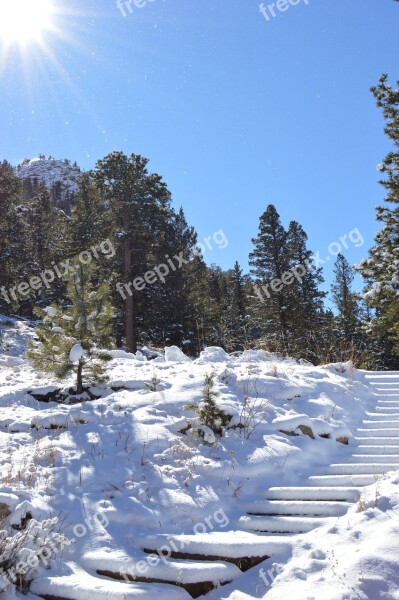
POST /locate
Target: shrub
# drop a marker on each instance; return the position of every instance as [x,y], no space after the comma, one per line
[210,418]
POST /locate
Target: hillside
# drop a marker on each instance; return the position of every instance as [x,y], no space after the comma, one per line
[59,176]
[139,495]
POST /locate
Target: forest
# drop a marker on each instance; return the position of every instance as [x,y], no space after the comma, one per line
[118,228]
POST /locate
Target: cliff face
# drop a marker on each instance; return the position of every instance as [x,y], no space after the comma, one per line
[59,176]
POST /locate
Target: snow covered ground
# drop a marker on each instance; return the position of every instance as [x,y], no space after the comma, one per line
[298,499]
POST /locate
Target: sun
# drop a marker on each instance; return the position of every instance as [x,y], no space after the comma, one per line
[24,21]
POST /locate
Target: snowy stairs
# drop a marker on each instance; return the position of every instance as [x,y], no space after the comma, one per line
[195,564]
[210,560]
[172,567]
[293,510]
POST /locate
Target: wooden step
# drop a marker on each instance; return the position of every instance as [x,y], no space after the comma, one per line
[80,584]
[196,577]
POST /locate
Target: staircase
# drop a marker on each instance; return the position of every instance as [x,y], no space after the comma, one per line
[293,510]
[267,530]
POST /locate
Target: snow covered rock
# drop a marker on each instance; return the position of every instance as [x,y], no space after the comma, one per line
[213,354]
[174,354]
[140,356]
[293,424]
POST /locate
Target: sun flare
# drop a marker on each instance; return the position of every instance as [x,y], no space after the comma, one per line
[24,21]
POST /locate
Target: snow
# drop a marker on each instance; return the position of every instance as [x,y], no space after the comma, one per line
[213,354]
[208,434]
[76,353]
[174,354]
[51,171]
[139,490]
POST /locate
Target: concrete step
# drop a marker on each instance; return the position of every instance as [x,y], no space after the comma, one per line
[360,468]
[381,432]
[281,524]
[377,441]
[393,403]
[382,424]
[344,480]
[335,494]
[310,508]
[392,459]
[365,449]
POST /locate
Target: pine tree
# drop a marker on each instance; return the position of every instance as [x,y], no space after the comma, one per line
[381,269]
[13,240]
[211,419]
[164,311]
[306,299]
[202,311]
[72,338]
[138,204]
[47,245]
[236,318]
[269,261]
[345,300]
[90,224]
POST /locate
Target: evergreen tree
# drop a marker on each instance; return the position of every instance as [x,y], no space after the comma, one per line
[345,300]
[138,203]
[202,312]
[236,316]
[269,261]
[72,338]
[210,418]
[164,311]
[381,269]
[90,223]
[306,299]
[47,245]
[13,240]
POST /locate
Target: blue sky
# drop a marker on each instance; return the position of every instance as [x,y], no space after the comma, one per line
[234,111]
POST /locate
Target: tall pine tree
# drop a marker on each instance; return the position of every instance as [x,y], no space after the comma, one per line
[269,261]
[381,269]
[306,301]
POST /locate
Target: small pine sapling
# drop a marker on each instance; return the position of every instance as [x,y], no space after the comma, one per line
[153,384]
[211,419]
[72,339]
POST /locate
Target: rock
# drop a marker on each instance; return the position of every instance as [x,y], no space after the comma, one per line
[343,440]
[174,354]
[48,394]
[306,431]
[4,510]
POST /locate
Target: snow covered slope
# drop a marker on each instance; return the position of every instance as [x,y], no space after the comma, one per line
[59,176]
[304,474]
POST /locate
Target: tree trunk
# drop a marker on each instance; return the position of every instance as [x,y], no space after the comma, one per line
[79,379]
[130,334]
